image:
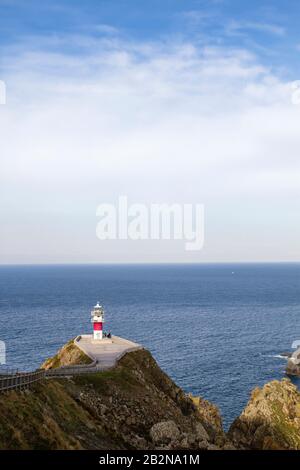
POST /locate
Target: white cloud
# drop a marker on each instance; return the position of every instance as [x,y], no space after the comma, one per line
[158,122]
[242,27]
[106,29]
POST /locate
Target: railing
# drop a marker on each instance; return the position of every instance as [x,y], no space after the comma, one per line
[71,370]
[7,371]
[16,380]
[21,380]
[94,366]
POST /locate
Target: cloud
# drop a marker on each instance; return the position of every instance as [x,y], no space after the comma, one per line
[196,17]
[243,27]
[158,121]
[106,29]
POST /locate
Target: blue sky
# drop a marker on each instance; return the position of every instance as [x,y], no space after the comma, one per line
[268,28]
[162,101]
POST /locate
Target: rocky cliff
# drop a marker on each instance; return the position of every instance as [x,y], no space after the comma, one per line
[68,355]
[293,364]
[137,406]
[271,419]
[134,406]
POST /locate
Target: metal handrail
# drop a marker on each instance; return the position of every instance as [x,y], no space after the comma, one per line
[21,380]
[71,370]
[7,371]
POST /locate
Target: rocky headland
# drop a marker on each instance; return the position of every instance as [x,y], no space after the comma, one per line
[137,406]
[293,364]
[271,419]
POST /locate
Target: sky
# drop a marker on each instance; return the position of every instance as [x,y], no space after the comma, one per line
[165,102]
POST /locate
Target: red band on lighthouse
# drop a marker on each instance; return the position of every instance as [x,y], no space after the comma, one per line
[98,326]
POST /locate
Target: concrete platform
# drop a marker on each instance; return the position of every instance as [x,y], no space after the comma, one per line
[107,351]
[103,341]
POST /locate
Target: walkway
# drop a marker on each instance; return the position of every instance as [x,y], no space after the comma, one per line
[106,352]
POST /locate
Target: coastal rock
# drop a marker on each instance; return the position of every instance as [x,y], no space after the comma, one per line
[68,355]
[164,432]
[135,405]
[200,432]
[210,416]
[271,419]
[293,364]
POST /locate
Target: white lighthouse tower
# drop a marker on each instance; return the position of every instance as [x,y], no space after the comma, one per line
[97,315]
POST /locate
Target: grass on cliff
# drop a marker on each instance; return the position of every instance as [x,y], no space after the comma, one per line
[126,375]
[113,409]
[50,416]
[137,374]
[283,428]
[101,380]
[46,417]
[70,354]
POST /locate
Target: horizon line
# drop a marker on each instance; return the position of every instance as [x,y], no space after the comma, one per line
[171,263]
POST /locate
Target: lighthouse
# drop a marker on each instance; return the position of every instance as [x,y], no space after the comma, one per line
[97,315]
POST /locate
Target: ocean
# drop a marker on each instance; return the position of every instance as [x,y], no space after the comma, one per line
[217,329]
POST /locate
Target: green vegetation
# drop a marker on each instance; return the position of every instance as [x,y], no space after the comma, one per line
[42,418]
[114,409]
[119,377]
[69,354]
[271,418]
[284,429]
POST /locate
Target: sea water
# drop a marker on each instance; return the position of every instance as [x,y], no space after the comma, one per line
[218,329]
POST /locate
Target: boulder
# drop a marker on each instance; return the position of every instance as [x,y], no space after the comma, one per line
[200,432]
[164,432]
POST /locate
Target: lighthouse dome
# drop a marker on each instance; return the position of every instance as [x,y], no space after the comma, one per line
[98,305]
